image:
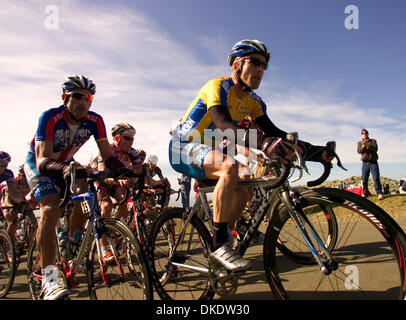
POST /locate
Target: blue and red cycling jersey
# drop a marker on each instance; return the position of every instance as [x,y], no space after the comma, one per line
[67,140]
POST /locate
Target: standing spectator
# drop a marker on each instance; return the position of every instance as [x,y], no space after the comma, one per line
[402,185]
[368,149]
[185,182]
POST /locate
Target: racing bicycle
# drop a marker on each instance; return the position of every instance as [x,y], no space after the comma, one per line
[125,278]
[357,254]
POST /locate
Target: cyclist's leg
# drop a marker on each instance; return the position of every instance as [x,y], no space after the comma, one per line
[120,196]
[77,218]
[204,162]
[106,207]
[48,199]
[11,217]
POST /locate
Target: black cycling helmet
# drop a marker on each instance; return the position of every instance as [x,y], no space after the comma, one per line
[119,128]
[78,82]
[4,157]
[246,47]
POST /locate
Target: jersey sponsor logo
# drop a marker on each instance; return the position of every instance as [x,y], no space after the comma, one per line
[243,110]
[58,117]
[186,126]
[225,85]
[92,117]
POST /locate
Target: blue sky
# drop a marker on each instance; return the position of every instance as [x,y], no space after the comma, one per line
[149,58]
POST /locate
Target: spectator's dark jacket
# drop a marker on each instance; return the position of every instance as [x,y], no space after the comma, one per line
[368,150]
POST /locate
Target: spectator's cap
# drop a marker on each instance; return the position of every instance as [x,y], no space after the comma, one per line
[364,130]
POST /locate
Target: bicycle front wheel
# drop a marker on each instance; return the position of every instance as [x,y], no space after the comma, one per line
[369,252]
[127,276]
[7,263]
[180,264]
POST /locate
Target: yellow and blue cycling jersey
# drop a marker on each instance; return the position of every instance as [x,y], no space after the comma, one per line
[196,134]
[216,92]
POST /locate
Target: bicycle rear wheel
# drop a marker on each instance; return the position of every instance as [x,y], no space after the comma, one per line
[7,263]
[127,277]
[369,252]
[181,274]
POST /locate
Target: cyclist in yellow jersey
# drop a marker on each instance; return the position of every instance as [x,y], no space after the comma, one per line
[214,114]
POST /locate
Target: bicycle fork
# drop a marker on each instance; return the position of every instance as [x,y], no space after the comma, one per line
[322,256]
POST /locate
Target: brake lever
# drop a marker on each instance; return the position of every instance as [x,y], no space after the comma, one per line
[331,151]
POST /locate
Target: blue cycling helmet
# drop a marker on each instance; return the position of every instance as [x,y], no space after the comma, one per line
[246,47]
[78,82]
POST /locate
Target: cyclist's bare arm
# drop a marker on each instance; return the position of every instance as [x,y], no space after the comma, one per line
[43,151]
[104,148]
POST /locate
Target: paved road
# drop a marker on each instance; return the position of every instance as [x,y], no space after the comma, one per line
[252,286]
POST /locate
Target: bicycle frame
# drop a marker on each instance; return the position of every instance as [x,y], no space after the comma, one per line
[94,224]
[265,198]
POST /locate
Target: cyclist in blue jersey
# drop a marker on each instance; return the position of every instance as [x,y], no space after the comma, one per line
[60,133]
[215,112]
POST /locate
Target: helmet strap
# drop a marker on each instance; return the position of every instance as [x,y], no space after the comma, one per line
[244,86]
[237,71]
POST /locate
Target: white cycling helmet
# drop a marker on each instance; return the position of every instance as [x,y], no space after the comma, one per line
[246,47]
[78,82]
[153,159]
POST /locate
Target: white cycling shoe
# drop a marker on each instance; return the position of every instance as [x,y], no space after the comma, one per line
[51,288]
[230,259]
[54,292]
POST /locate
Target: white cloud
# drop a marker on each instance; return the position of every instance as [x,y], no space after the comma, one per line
[319,116]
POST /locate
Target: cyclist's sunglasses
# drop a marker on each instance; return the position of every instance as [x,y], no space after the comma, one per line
[258,62]
[128,138]
[79,96]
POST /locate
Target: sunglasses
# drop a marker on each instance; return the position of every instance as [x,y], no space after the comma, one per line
[258,62]
[128,138]
[79,96]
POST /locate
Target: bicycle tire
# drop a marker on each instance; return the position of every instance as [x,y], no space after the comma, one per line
[177,282]
[323,220]
[370,253]
[7,263]
[130,259]
[34,272]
